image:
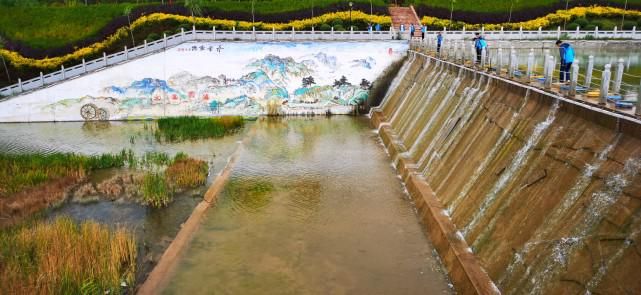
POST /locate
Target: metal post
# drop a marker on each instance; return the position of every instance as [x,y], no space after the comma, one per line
[193,32]
[104,58]
[274,33]
[638,109]
[549,73]
[214,29]
[20,85]
[62,71]
[42,79]
[254,32]
[510,63]
[182,34]
[146,49]
[84,66]
[588,72]
[596,32]
[619,77]
[605,85]
[574,79]
[333,33]
[164,39]
[513,66]
[577,33]
[634,32]
[615,32]
[233,32]
[499,61]
[558,32]
[126,53]
[351,33]
[483,53]
[293,33]
[546,59]
[530,65]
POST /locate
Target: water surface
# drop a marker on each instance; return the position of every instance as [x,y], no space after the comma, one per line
[312,207]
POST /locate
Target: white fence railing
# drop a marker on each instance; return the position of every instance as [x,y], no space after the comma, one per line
[539,34]
[185,36]
[213,35]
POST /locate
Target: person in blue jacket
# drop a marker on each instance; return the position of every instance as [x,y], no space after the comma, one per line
[439,41]
[567,58]
[423,31]
[412,30]
[479,45]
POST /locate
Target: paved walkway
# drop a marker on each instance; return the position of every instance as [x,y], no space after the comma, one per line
[406,16]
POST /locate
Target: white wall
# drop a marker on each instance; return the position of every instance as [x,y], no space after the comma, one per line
[183,81]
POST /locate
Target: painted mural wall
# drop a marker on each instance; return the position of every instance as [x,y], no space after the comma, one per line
[217,78]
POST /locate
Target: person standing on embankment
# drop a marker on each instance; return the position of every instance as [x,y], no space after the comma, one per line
[567,58]
[479,45]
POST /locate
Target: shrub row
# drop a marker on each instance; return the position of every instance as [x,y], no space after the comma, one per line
[551,20]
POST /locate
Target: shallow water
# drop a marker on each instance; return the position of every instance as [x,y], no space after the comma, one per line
[154,228]
[312,207]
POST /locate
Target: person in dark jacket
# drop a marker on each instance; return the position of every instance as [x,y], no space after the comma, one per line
[566,53]
[439,41]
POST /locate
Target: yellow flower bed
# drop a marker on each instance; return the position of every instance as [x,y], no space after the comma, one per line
[20,61]
[551,19]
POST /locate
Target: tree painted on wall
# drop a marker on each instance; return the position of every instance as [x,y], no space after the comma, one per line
[365,84]
[308,81]
[341,82]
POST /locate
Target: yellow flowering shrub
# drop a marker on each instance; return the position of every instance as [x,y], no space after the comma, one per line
[551,19]
[49,63]
[559,17]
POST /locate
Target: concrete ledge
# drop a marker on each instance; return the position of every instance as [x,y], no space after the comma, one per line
[377,117]
[162,272]
[463,267]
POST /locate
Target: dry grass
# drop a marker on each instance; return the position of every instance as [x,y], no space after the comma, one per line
[65,258]
[186,173]
[19,206]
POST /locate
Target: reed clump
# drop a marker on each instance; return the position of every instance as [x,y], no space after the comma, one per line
[187,173]
[156,191]
[65,258]
[192,127]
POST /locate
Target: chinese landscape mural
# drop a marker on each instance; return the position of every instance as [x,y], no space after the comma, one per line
[216,78]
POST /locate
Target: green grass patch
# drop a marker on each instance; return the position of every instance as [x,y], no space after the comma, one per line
[280,6]
[190,127]
[65,258]
[55,26]
[19,172]
[496,6]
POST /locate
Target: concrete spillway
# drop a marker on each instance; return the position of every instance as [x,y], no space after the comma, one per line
[545,192]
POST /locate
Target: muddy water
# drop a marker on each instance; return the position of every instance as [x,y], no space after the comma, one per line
[312,207]
[154,228]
